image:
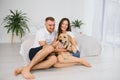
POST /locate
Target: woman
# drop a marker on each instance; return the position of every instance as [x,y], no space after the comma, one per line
[64,27]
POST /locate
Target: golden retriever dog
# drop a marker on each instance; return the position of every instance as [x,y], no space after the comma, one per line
[64,41]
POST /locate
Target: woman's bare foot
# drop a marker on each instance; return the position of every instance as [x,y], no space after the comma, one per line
[84,62]
[26,74]
[18,70]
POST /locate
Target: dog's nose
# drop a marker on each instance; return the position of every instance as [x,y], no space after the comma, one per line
[60,40]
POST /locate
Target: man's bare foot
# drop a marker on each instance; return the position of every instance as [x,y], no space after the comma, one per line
[84,62]
[18,70]
[26,74]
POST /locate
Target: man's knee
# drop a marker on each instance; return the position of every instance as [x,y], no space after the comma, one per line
[45,51]
[49,48]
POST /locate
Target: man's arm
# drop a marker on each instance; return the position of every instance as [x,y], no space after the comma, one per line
[60,50]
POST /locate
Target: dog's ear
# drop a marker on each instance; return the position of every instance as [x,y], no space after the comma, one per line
[73,42]
[69,38]
[58,37]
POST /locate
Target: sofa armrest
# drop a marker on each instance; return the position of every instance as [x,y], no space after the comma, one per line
[88,45]
[25,47]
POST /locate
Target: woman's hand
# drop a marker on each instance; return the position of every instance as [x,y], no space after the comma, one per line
[69,49]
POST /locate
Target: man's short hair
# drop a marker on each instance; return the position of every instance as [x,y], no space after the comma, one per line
[50,18]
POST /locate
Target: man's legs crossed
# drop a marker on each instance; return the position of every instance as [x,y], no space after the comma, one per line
[50,61]
[36,59]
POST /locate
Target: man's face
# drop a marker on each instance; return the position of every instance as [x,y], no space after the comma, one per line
[50,25]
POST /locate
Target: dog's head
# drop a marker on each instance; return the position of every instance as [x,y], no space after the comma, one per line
[66,42]
[63,38]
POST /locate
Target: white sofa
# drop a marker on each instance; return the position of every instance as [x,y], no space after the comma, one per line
[88,46]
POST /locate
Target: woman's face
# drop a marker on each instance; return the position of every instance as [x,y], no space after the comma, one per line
[64,25]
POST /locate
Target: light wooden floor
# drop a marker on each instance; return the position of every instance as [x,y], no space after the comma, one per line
[104,67]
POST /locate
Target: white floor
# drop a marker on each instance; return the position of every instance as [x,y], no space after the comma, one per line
[104,67]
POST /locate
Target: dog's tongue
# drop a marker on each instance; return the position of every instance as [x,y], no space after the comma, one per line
[61,45]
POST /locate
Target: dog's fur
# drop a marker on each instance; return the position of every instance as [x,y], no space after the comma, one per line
[64,41]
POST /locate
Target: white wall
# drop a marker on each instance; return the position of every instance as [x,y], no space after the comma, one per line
[37,10]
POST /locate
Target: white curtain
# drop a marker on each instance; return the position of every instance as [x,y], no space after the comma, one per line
[106,24]
[111,24]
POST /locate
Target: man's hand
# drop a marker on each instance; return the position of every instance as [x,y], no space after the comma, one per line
[42,43]
[60,50]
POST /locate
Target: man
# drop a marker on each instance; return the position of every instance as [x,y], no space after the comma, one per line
[40,49]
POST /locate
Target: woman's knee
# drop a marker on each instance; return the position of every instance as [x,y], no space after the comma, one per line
[53,58]
[60,59]
[56,65]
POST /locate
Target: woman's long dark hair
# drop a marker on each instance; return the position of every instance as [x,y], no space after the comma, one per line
[59,27]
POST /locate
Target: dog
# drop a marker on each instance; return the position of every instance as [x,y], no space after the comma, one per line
[64,41]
